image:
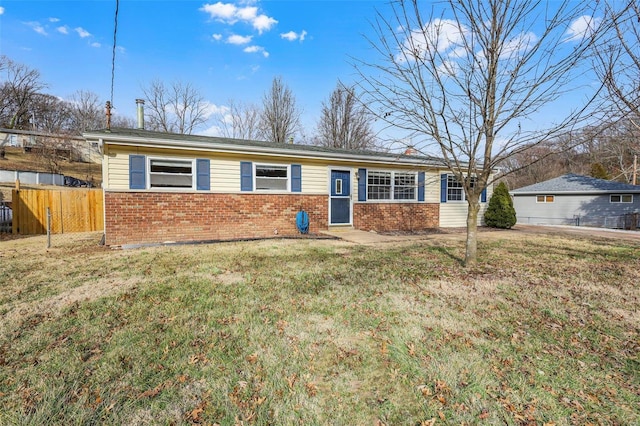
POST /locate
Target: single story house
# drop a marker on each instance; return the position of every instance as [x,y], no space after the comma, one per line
[576,200]
[161,187]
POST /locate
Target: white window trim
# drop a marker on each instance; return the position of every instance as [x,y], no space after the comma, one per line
[545,199]
[464,195]
[392,192]
[620,202]
[271,191]
[193,173]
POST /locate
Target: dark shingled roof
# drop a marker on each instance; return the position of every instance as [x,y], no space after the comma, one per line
[572,183]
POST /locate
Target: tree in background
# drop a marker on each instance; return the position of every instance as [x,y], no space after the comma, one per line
[345,122]
[618,59]
[599,172]
[466,78]
[177,108]
[18,90]
[238,120]
[280,116]
[500,212]
[86,112]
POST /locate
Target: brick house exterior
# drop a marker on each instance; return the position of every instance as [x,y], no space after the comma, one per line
[161,187]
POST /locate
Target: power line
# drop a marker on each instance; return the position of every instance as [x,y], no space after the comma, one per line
[113,56]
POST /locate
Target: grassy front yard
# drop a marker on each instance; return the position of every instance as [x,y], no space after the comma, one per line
[544,331]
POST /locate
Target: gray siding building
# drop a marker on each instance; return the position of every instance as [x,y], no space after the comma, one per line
[577,200]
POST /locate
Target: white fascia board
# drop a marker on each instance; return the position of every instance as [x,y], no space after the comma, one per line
[252,149]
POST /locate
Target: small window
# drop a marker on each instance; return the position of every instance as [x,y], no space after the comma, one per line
[165,173]
[622,198]
[545,198]
[272,178]
[454,189]
[338,187]
[404,186]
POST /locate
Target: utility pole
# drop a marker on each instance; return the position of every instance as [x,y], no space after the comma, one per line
[635,168]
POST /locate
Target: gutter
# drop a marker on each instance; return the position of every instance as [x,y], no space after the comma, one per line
[255,149]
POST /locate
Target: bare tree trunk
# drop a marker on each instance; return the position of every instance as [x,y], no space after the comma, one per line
[470,256]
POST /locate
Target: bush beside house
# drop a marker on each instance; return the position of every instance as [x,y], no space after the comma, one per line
[500,212]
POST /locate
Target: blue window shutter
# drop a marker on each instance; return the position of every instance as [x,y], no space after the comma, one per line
[362,184]
[443,188]
[296,178]
[246,176]
[483,196]
[203,174]
[420,186]
[137,172]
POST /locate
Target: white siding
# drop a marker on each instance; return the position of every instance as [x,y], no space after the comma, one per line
[453,214]
[225,169]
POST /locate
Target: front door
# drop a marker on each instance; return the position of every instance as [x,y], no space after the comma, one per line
[340,207]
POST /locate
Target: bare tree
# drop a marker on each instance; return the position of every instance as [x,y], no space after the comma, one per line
[17,92]
[178,108]
[239,121]
[280,117]
[345,122]
[51,113]
[618,63]
[468,77]
[86,112]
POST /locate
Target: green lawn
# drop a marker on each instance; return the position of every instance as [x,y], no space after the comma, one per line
[545,330]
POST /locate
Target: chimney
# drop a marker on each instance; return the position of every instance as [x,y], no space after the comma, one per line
[410,150]
[140,105]
[108,113]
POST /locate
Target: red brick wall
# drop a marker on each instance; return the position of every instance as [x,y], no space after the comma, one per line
[153,217]
[384,217]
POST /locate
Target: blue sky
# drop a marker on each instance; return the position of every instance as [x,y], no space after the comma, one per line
[228,49]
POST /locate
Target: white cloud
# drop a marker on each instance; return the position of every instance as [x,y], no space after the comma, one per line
[229,13]
[238,39]
[293,36]
[96,44]
[221,11]
[35,26]
[217,37]
[54,20]
[63,29]
[1,10]
[82,32]
[582,27]
[247,13]
[263,23]
[256,49]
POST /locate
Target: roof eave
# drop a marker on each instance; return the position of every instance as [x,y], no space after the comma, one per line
[128,140]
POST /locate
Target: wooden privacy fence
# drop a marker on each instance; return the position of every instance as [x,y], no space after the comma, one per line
[72,210]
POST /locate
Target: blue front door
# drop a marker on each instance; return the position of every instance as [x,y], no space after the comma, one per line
[340,197]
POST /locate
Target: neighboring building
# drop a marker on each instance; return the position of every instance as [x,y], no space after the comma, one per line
[576,200]
[161,187]
[76,147]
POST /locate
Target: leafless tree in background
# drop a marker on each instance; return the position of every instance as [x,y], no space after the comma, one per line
[468,76]
[280,116]
[86,112]
[345,122]
[51,113]
[239,121]
[178,108]
[20,84]
[618,63]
